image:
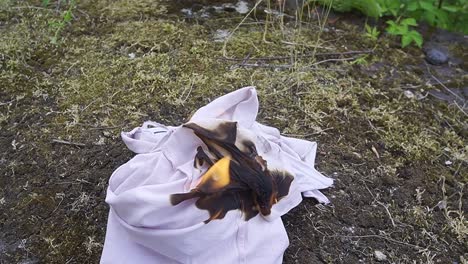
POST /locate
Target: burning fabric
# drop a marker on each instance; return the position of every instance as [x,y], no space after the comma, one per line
[209,191]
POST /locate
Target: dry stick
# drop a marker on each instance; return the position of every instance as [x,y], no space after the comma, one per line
[302,56]
[104,128]
[237,27]
[289,66]
[441,83]
[388,212]
[329,60]
[309,134]
[386,207]
[450,91]
[286,67]
[273,66]
[7,103]
[32,7]
[59,141]
[445,87]
[99,128]
[386,238]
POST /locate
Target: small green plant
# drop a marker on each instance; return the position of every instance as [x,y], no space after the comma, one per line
[372,32]
[451,15]
[402,29]
[57,25]
[361,60]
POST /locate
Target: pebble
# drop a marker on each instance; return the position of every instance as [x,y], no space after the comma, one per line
[436,55]
[221,35]
[380,256]
[409,94]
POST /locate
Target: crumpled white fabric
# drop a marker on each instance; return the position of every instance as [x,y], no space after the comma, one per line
[143,226]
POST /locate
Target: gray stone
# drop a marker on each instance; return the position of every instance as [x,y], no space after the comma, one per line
[436,55]
[380,256]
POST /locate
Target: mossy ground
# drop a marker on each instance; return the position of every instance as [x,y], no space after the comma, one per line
[119,63]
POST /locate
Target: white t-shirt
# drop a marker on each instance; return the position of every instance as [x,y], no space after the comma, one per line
[144,227]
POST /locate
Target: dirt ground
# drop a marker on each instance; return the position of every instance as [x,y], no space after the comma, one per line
[69,86]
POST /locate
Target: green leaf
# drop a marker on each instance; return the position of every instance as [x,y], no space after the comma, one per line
[389,6]
[396,29]
[371,33]
[416,37]
[391,23]
[429,6]
[451,8]
[412,6]
[361,60]
[405,40]
[430,18]
[45,3]
[409,22]
[375,32]
[392,28]
[67,16]
[55,24]
[368,28]
[442,18]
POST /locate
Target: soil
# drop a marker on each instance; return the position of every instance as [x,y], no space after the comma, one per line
[397,153]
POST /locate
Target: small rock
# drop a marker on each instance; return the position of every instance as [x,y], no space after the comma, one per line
[14,144]
[419,96]
[131,55]
[186,11]
[221,35]
[242,7]
[409,94]
[100,142]
[442,204]
[436,55]
[380,256]
[448,162]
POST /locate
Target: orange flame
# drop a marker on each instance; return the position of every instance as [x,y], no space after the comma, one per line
[217,175]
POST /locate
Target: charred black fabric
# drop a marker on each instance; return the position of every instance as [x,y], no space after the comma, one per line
[237,178]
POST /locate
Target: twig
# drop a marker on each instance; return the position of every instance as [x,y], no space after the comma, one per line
[285,67]
[272,66]
[7,103]
[237,27]
[460,108]
[332,60]
[69,68]
[445,87]
[388,212]
[32,7]
[450,91]
[104,128]
[290,66]
[386,238]
[301,56]
[309,134]
[57,207]
[59,141]
[182,101]
[99,128]
[304,45]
